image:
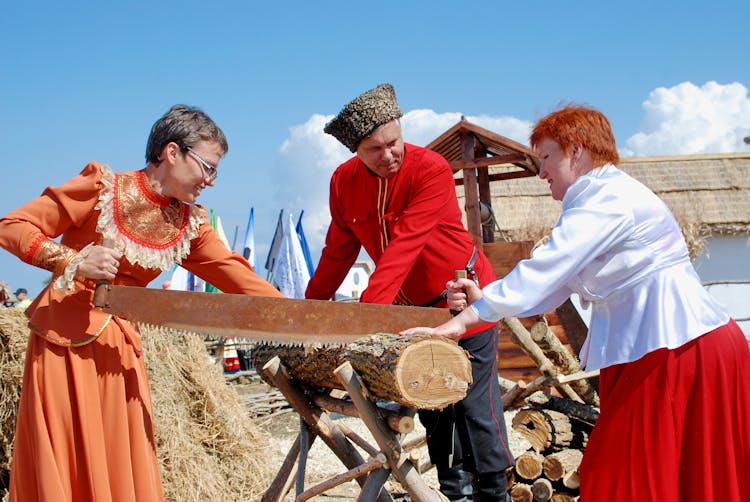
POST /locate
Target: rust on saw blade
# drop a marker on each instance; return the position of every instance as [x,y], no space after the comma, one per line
[271,320]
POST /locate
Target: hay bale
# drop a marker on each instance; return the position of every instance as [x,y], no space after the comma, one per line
[13,335]
[207,446]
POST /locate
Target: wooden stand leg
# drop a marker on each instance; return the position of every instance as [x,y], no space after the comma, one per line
[304,449]
[369,466]
[284,478]
[319,423]
[373,485]
[403,471]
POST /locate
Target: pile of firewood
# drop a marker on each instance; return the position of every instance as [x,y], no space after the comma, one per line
[556,427]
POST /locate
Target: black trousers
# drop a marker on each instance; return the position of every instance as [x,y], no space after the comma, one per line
[474,428]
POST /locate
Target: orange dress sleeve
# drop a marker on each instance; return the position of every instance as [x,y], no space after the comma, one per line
[28,231]
[212,261]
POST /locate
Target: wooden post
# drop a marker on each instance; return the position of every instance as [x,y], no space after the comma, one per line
[373,463]
[471,192]
[283,480]
[399,419]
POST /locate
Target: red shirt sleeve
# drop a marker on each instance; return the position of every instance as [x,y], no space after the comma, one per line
[340,251]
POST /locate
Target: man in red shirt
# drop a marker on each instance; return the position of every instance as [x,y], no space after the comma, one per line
[398,201]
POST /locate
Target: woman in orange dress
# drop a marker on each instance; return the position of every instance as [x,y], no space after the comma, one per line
[84,429]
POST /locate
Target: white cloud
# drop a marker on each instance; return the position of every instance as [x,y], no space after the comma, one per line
[308,157]
[687,119]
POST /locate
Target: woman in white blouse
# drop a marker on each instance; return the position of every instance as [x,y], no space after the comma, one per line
[675,368]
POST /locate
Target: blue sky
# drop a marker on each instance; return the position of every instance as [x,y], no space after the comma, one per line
[83,81]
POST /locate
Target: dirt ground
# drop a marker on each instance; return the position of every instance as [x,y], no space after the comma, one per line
[323,464]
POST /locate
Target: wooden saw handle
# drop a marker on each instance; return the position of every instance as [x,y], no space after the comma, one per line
[459,274]
[100,293]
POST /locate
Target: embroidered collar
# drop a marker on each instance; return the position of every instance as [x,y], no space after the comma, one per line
[151,230]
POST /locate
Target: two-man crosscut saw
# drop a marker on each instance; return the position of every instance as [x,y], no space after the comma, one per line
[262,319]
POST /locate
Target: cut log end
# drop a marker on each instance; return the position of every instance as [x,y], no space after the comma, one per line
[435,370]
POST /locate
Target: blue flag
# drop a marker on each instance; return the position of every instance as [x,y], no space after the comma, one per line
[303,243]
[248,250]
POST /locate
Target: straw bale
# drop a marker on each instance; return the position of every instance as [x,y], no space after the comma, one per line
[13,335]
[207,446]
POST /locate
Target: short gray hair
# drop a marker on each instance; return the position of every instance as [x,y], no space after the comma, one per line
[184,125]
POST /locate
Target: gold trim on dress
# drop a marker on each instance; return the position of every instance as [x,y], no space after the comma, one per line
[65,343]
[148,234]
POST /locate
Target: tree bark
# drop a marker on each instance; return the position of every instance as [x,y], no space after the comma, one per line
[563,360]
[417,372]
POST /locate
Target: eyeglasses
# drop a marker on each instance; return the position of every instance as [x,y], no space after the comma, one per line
[211,171]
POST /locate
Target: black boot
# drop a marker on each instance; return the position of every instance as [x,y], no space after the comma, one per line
[491,487]
[455,483]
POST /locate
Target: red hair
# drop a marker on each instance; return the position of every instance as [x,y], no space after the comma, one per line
[579,124]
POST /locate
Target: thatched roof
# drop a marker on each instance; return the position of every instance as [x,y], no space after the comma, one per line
[710,191]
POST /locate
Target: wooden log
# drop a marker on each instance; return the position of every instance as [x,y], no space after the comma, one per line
[400,420]
[529,465]
[584,412]
[557,464]
[542,490]
[521,336]
[563,360]
[571,480]
[418,372]
[521,492]
[514,394]
[544,429]
[563,497]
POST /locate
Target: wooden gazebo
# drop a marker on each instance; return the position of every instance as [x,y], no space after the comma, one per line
[472,150]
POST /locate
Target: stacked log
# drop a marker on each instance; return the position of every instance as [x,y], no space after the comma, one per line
[557,429]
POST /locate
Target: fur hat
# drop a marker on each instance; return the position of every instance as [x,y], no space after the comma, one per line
[364,114]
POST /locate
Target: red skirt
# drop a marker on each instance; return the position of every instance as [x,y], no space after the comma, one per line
[674,425]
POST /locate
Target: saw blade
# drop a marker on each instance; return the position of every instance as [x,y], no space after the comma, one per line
[263,319]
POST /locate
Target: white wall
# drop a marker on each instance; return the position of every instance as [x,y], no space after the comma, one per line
[725,258]
[728,259]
